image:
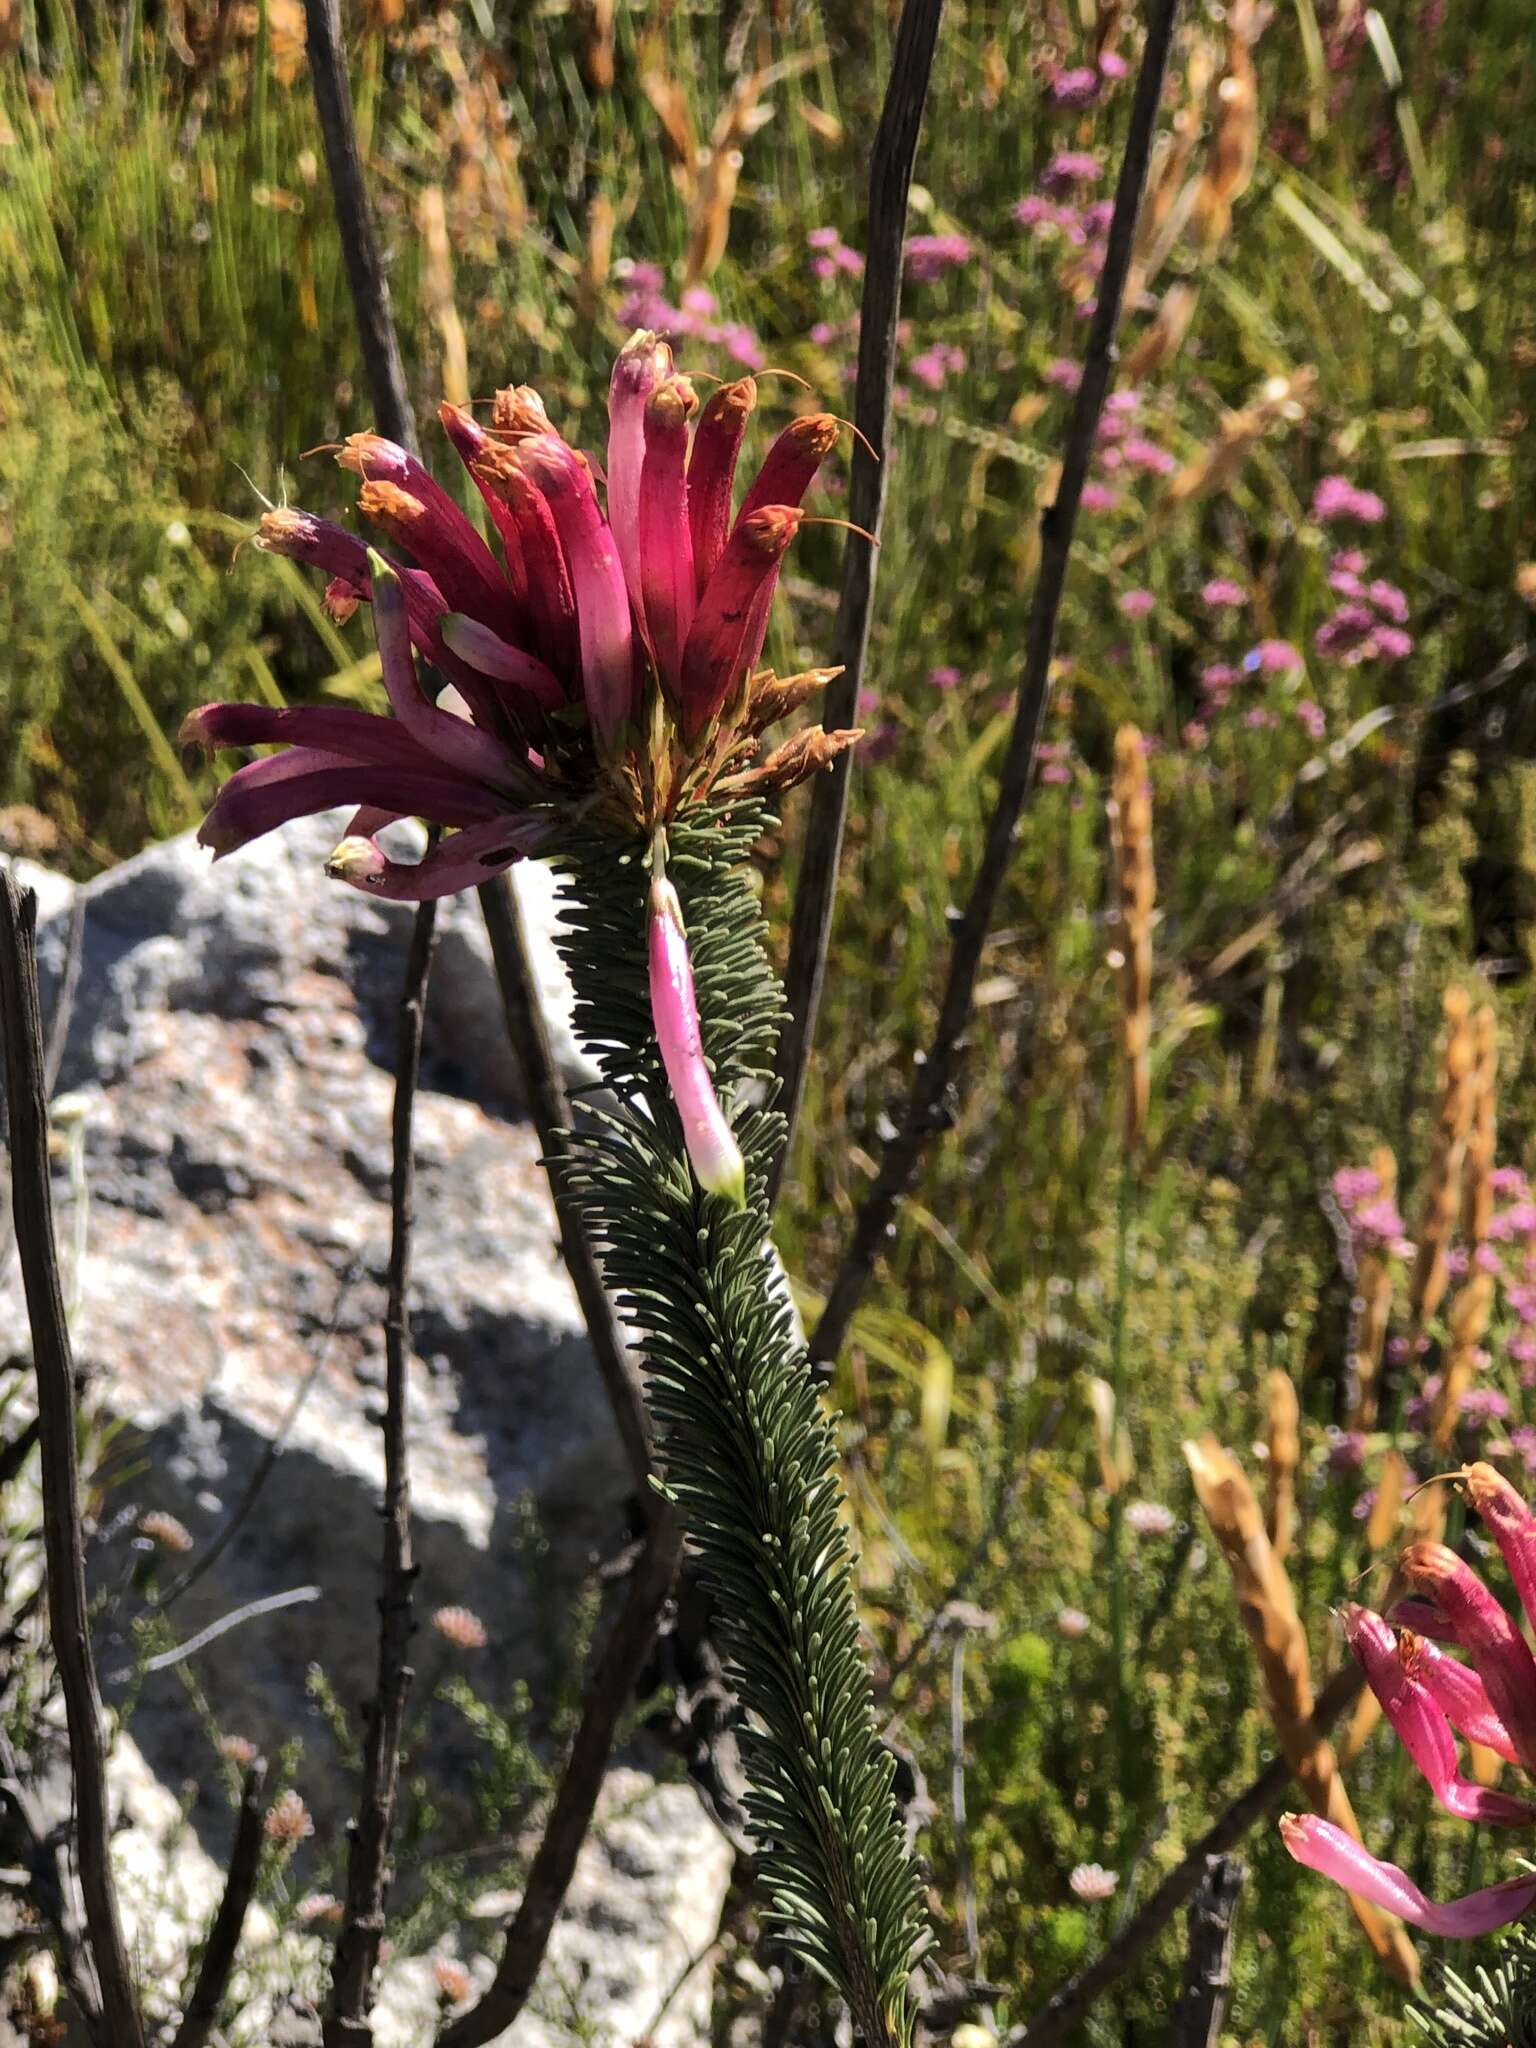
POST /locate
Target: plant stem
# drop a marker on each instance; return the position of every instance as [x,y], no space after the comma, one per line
[1124,1230]
[368,1869]
[926,1110]
[63,1541]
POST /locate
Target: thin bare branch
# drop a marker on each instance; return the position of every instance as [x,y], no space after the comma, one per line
[554,1863]
[890,178]
[551,1113]
[359,242]
[927,1107]
[229,1921]
[368,1866]
[1202,2008]
[32,1207]
[1262,1796]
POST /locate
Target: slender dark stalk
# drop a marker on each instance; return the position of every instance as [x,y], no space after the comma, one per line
[368,1868]
[1065,2011]
[1202,2008]
[32,1205]
[926,1110]
[359,242]
[229,1921]
[957,1798]
[551,1113]
[554,1864]
[49,1889]
[890,178]
[1124,1223]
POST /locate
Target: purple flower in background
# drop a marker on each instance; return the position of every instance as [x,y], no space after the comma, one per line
[1272,657]
[1136,604]
[1070,168]
[1392,643]
[1078,87]
[1346,632]
[945,678]
[1337,498]
[1035,212]
[1147,455]
[1112,65]
[1222,594]
[1064,373]
[1312,718]
[931,256]
[1053,766]
[1098,498]
[822,238]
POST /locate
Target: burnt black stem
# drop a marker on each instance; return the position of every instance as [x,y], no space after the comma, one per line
[229,1921]
[927,1109]
[890,179]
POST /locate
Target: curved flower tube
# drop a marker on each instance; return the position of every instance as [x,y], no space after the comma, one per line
[1425,1693]
[712,1151]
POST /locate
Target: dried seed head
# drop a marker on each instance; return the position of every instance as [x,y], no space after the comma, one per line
[164,1529]
[289,1819]
[457,1625]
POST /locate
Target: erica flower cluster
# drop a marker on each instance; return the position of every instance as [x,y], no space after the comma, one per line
[1427,1694]
[604,661]
[601,666]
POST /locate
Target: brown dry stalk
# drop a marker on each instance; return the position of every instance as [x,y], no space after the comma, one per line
[1283,1440]
[436,288]
[1234,146]
[1440,1201]
[1268,1609]
[1373,1292]
[1472,1304]
[1130,828]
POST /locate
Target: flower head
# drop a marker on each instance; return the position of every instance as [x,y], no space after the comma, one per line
[1427,1694]
[1093,1882]
[602,661]
[713,1152]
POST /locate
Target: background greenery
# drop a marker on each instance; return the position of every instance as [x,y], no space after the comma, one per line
[177,334]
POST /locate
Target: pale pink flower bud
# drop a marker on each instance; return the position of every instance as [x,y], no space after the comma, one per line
[714,1153]
[1322,1847]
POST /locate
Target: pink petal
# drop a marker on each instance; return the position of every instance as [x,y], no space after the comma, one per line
[336,730]
[376,460]
[1424,1619]
[731,622]
[602,597]
[460,746]
[1421,1725]
[713,1152]
[666,539]
[717,443]
[790,466]
[640,365]
[489,655]
[1488,1634]
[265,794]
[462,861]
[1320,1846]
[1513,1526]
[1463,1697]
[551,596]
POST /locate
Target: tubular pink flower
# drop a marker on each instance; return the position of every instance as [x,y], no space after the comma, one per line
[666,540]
[602,598]
[713,1152]
[460,862]
[1462,1696]
[470,443]
[1512,1525]
[551,595]
[445,524]
[489,655]
[729,626]
[1420,1723]
[717,443]
[409,523]
[272,792]
[790,466]
[1486,1632]
[639,368]
[1320,1846]
[455,741]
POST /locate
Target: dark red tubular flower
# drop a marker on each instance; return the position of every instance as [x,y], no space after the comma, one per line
[600,655]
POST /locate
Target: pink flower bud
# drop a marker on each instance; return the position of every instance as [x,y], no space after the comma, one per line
[714,1153]
[1486,1632]
[666,539]
[639,367]
[602,598]
[717,443]
[732,619]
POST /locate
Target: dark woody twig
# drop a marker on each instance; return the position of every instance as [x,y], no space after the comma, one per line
[1202,2008]
[927,1111]
[554,1863]
[368,1869]
[551,1113]
[20,1019]
[229,1921]
[359,242]
[1065,2011]
[890,178]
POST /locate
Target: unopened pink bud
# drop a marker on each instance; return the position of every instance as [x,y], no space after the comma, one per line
[713,1152]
